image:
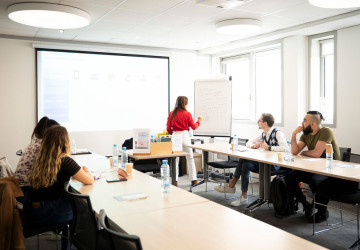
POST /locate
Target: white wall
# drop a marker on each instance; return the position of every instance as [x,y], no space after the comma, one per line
[18,97]
[18,93]
[295,69]
[348,88]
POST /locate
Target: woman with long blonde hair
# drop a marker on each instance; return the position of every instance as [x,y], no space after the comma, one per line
[45,202]
[179,122]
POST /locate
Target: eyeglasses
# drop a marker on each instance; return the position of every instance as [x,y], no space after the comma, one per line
[259,121]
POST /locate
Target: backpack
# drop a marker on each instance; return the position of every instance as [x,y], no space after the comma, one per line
[284,203]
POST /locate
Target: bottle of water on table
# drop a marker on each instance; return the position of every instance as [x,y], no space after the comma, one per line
[165,177]
[235,143]
[124,157]
[115,156]
[329,156]
[288,155]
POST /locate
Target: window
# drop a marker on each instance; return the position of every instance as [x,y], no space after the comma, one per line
[257,83]
[322,76]
[88,91]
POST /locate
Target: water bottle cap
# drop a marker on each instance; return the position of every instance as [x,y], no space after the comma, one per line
[164,161]
[152,136]
[115,146]
[235,134]
[123,148]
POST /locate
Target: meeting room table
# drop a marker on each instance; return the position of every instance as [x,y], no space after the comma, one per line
[341,170]
[178,219]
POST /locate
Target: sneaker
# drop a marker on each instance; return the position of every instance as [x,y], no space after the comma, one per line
[225,189]
[239,201]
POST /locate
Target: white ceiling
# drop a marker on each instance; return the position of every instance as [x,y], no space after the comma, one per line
[178,24]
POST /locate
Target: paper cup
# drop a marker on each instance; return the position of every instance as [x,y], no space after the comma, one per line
[280,156]
[129,167]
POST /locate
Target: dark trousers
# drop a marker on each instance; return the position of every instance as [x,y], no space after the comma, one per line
[243,169]
[313,180]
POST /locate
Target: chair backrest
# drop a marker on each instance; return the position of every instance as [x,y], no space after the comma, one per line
[83,229]
[351,157]
[119,240]
[343,151]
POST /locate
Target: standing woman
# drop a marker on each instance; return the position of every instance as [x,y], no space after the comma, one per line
[45,203]
[179,122]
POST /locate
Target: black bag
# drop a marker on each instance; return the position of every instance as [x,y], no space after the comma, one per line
[284,203]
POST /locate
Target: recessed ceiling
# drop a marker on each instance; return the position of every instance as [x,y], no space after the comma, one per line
[174,24]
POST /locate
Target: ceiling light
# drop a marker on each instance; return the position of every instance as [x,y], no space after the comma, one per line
[48,15]
[335,4]
[238,26]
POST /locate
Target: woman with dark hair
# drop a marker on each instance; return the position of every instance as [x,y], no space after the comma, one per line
[27,159]
[45,202]
[179,122]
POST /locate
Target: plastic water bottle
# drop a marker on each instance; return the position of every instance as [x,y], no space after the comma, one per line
[235,143]
[165,177]
[329,160]
[288,155]
[329,156]
[152,139]
[115,156]
[124,157]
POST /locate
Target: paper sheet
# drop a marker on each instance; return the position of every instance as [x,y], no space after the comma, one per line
[128,197]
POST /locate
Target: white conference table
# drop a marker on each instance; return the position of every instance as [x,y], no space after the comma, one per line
[342,170]
[179,219]
[171,158]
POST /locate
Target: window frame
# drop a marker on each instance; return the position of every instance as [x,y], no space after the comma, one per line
[321,39]
[251,52]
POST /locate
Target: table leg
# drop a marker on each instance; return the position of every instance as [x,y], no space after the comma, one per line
[205,169]
[267,181]
[261,180]
[263,199]
[173,170]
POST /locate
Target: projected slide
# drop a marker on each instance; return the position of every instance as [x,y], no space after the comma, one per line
[93,92]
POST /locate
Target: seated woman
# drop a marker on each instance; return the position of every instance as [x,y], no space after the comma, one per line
[45,203]
[29,154]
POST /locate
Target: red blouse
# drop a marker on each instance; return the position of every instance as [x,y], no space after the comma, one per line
[182,121]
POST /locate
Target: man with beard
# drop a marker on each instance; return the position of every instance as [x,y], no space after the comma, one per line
[314,137]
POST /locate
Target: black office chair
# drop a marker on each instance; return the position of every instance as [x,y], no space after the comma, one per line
[84,230]
[331,191]
[143,166]
[118,240]
[231,162]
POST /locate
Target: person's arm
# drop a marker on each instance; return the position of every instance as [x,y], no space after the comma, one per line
[191,122]
[254,143]
[84,176]
[317,151]
[296,147]
[168,125]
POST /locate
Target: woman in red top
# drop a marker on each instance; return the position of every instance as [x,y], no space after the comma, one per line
[179,122]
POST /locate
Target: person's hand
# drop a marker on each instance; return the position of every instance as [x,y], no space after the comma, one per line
[257,145]
[86,169]
[200,118]
[121,172]
[298,130]
[264,145]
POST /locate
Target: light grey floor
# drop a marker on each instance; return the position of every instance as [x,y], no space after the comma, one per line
[340,238]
